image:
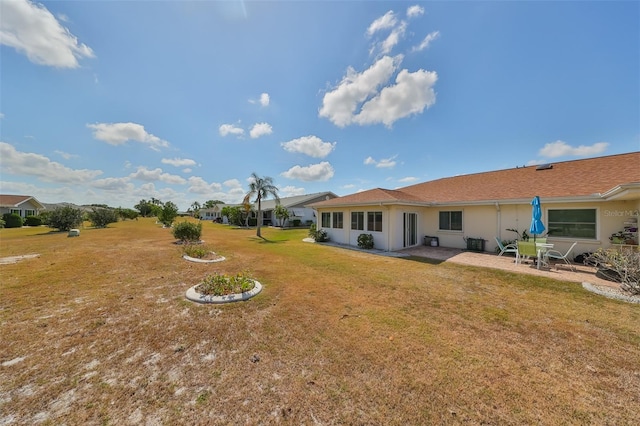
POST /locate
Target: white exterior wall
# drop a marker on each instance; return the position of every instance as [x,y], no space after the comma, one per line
[484,221]
[307,214]
[350,237]
[21,209]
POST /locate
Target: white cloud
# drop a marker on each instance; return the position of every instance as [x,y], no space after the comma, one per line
[113,184]
[1,115]
[291,191]
[392,40]
[232,183]
[32,30]
[340,104]
[384,163]
[45,194]
[187,170]
[14,162]
[156,175]
[560,149]
[119,133]
[197,185]
[412,92]
[388,20]
[314,172]
[348,186]
[260,129]
[310,145]
[427,41]
[408,179]
[264,99]
[66,155]
[415,10]
[178,162]
[230,129]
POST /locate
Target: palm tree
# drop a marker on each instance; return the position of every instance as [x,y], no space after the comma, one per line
[282,214]
[260,188]
[195,209]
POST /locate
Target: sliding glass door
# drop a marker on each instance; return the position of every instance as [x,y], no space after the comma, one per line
[410,229]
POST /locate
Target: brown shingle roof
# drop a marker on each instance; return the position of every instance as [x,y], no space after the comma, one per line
[578,178]
[13,200]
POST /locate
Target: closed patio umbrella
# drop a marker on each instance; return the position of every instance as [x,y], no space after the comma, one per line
[537,227]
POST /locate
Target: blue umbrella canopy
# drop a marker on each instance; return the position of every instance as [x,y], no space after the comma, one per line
[537,227]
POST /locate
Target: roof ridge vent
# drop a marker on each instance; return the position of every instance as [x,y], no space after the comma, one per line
[545,166]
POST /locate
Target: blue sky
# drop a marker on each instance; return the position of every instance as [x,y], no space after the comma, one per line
[114,102]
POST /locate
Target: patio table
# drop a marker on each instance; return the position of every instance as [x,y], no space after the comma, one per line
[542,253]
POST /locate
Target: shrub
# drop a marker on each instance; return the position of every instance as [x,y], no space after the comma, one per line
[101,217]
[127,213]
[233,214]
[2,223]
[319,235]
[222,285]
[33,221]
[196,251]
[623,264]
[65,218]
[365,241]
[167,213]
[187,231]
[12,220]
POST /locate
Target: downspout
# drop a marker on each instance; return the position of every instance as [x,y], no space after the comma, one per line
[498,221]
[388,228]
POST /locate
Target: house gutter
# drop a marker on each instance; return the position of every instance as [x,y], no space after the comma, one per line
[621,191]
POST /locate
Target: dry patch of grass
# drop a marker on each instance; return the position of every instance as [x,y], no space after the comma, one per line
[96,330]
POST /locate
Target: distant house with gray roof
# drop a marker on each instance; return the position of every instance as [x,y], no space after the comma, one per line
[297,207]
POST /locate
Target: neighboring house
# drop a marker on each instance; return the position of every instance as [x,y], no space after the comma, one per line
[296,205]
[583,200]
[212,213]
[23,205]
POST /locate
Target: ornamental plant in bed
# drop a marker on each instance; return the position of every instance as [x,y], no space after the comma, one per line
[223,285]
[196,251]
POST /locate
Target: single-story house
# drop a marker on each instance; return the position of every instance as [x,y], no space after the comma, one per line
[22,205]
[212,213]
[584,201]
[296,206]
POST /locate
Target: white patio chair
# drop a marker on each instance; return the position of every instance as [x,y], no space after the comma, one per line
[509,248]
[556,255]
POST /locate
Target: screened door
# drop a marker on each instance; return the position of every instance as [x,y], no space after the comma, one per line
[410,229]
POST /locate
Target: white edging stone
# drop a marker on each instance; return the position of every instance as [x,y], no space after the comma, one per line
[194,296]
[611,294]
[195,259]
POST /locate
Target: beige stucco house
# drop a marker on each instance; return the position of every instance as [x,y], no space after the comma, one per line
[583,201]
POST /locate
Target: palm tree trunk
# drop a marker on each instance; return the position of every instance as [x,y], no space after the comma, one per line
[259,221]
